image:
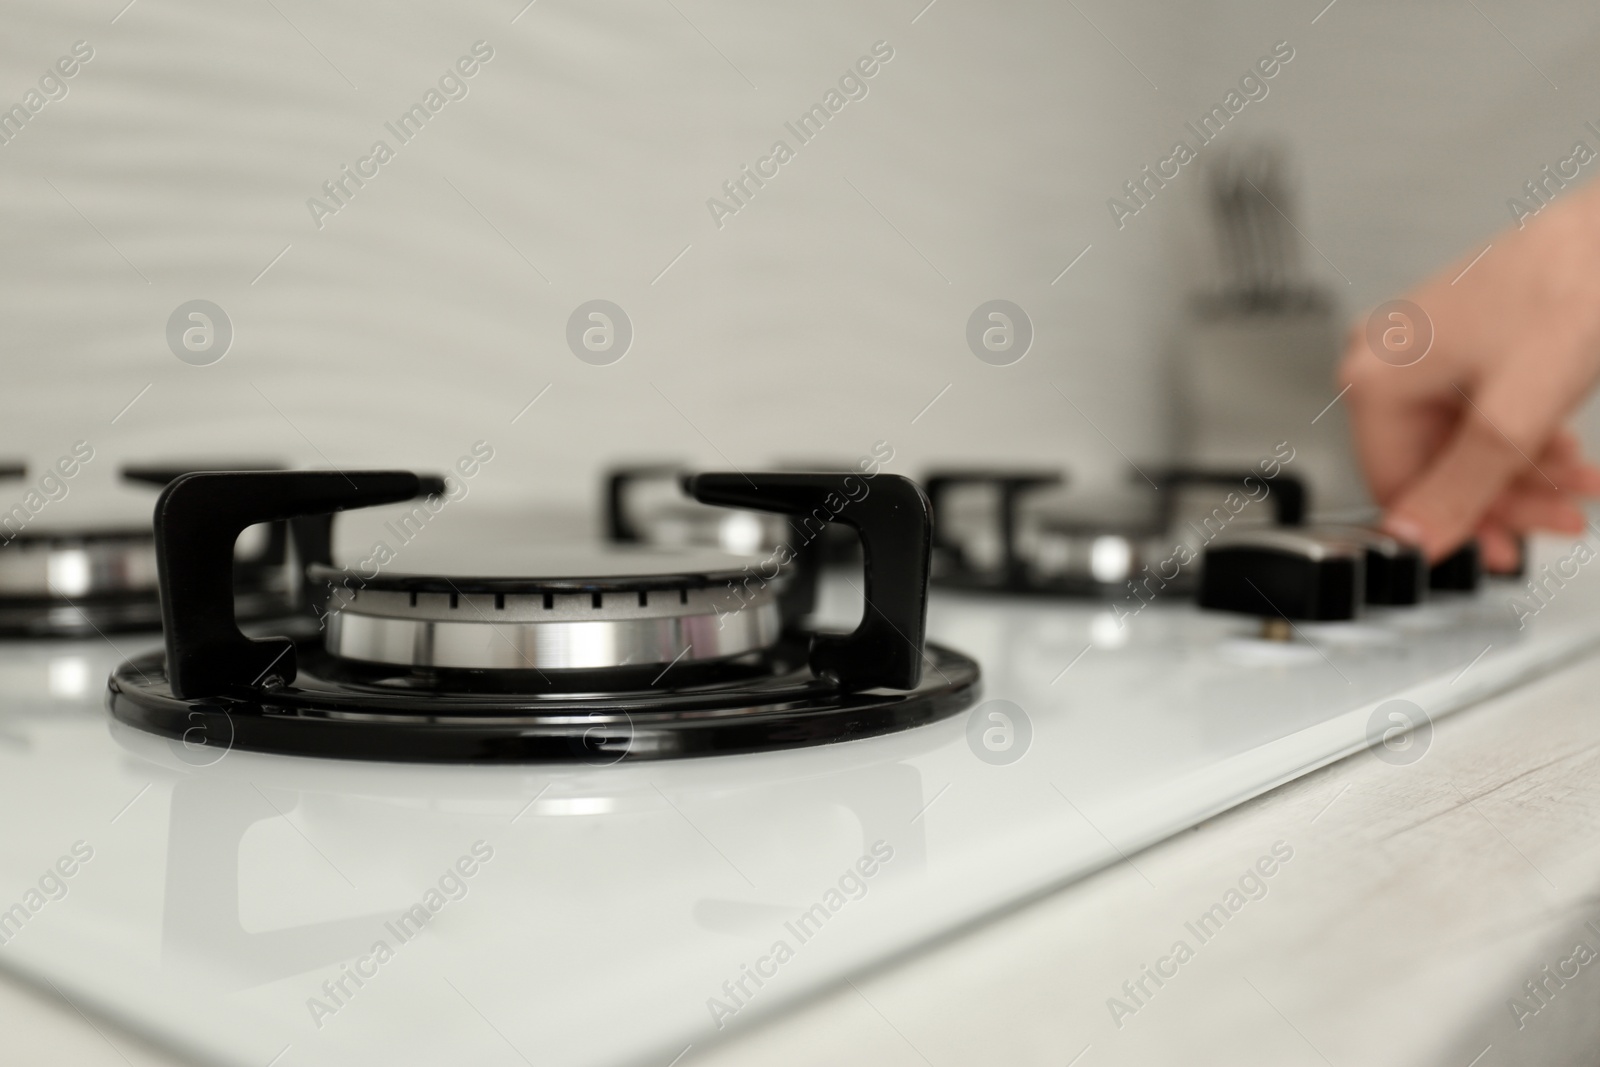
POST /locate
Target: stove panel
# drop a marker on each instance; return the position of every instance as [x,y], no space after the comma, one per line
[245,906]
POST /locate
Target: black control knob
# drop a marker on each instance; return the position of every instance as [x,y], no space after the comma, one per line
[1283,576]
[1459,572]
[1397,573]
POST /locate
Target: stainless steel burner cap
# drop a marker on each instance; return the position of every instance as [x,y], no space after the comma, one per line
[68,566]
[527,610]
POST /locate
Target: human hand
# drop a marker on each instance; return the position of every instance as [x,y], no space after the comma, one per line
[1469,438]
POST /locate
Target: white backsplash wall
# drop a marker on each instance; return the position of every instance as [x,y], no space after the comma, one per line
[825,315]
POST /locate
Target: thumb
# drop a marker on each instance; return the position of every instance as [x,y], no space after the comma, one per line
[1444,505]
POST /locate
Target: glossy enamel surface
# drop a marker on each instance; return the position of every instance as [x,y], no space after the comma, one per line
[607,905]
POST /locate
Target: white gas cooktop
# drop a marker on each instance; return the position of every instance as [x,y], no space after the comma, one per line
[255,909]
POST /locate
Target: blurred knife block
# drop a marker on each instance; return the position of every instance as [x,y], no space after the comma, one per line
[1256,371]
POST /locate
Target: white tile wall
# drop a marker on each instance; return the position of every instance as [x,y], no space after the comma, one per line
[824,316]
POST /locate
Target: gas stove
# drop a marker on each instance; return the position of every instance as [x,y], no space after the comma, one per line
[100,578]
[643,506]
[1012,548]
[606,656]
[451,891]
[1006,546]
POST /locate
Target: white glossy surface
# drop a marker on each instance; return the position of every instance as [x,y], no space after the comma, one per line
[619,899]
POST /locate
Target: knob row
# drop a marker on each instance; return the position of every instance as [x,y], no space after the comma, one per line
[1325,574]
